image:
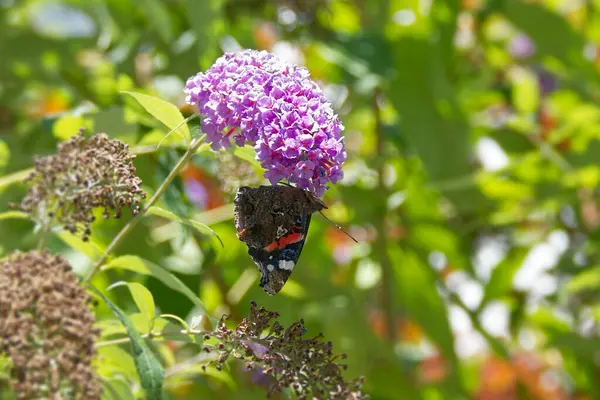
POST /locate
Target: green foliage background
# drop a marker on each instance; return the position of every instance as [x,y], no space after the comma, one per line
[473,133]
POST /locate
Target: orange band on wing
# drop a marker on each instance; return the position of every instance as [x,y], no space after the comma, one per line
[289,239]
[284,241]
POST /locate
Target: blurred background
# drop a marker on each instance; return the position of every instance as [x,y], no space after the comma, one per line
[473,134]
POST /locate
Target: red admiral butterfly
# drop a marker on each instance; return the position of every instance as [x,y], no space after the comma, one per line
[273,221]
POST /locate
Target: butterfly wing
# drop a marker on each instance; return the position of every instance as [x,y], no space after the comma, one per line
[273,221]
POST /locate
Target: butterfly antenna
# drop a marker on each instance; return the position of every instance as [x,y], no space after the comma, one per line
[339,227]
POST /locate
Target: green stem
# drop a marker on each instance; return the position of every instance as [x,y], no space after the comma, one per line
[46,228]
[134,221]
[43,235]
[381,245]
[150,335]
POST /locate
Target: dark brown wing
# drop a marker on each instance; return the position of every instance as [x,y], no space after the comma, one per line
[273,221]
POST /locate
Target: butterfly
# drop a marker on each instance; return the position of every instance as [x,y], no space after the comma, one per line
[273,221]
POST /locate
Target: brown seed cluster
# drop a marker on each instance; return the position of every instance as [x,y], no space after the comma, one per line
[308,366]
[84,175]
[46,328]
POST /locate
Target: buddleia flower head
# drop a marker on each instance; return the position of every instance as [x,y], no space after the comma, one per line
[254,98]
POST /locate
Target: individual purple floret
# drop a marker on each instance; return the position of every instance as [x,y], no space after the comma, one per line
[254,97]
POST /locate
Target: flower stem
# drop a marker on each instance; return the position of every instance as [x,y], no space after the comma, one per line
[46,228]
[134,221]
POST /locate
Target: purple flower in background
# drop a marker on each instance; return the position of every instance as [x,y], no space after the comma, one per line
[521,46]
[254,97]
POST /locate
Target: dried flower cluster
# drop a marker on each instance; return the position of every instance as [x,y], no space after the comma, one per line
[254,97]
[308,366]
[85,174]
[46,328]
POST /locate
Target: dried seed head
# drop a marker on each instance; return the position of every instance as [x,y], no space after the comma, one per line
[284,356]
[46,328]
[85,174]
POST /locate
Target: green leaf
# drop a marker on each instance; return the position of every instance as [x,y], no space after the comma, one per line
[247,154]
[500,282]
[13,215]
[116,389]
[581,346]
[204,18]
[552,34]
[113,121]
[148,367]
[90,248]
[587,280]
[525,91]
[428,108]
[15,177]
[219,376]
[199,226]
[136,264]
[174,332]
[4,154]
[143,300]
[159,17]
[111,327]
[116,361]
[165,112]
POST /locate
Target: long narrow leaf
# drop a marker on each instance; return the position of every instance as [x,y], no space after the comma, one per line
[148,367]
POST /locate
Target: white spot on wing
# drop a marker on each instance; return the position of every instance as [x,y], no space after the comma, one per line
[281,231]
[287,265]
[270,267]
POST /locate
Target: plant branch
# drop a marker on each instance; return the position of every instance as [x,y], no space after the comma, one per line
[387,281]
[134,221]
[149,335]
[190,362]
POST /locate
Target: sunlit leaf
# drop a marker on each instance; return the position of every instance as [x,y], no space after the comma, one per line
[116,361]
[136,264]
[116,389]
[201,227]
[293,289]
[525,91]
[247,154]
[165,112]
[143,300]
[500,282]
[148,367]
[4,154]
[67,126]
[90,248]
[15,177]
[584,281]
[13,215]
[112,327]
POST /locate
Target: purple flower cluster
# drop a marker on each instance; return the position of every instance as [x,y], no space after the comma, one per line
[254,97]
